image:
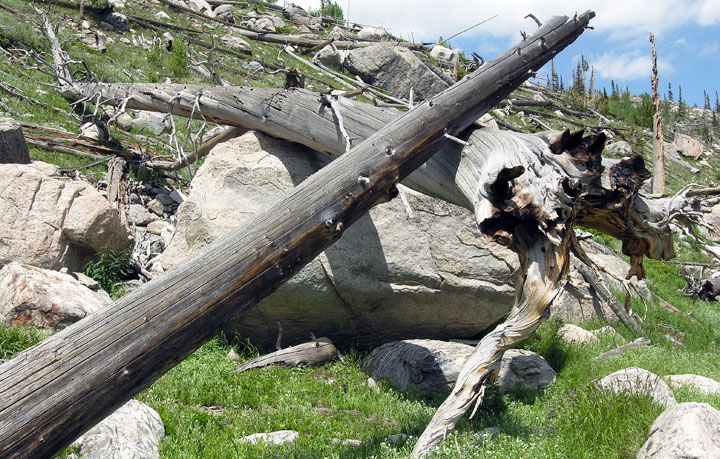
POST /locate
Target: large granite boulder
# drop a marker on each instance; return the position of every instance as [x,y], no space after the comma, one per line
[52,222]
[44,298]
[422,366]
[395,69]
[389,277]
[686,430]
[133,431]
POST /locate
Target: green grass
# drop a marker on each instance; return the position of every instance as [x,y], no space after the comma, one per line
[207,407]
[16,339]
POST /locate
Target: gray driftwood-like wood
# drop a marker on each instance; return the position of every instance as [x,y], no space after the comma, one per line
[620,350]
[526,191]
[54,391]
[658,181]
[312,353]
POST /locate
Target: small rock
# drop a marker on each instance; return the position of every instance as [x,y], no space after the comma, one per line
[637,381]
[695,382]
[330,56]
[572,334]
[13,148]
[92,131]
[686,430]
[233,356]
[202,6]
[165,198]
[162,15]
[444,55]
[276,438]
[85,25]
[687,146]
[156,227]
[488,121]
[156,123]
[538,98]
[488,434]
[559,114]
[225,12]
[397,438]
[139,216]
[340,34]
[525,369]
[374,33]
[351,442]
[236,43]
[372,384]
[156,206]
[117,21]
[619,149]
[253,66]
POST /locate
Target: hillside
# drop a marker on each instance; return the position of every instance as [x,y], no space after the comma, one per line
[206,406]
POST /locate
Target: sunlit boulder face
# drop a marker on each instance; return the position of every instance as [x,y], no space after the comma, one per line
[391,276]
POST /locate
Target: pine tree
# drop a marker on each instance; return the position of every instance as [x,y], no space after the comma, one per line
[554,76]
[707,100]
[681,102]
[670,93]
[717,103]
[562,85]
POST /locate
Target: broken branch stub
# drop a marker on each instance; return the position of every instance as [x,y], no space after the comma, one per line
[54,391]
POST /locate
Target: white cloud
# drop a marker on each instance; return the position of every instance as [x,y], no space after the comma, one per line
[708,49]
[621,19]
[628,66]
[709,12]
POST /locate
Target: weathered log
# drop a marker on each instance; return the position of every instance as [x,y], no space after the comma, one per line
[312,353]
[525,190]
[54,391]
[623,349]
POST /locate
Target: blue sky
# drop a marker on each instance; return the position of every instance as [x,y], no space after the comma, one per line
[687,35]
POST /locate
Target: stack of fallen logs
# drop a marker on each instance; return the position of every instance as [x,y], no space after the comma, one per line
[526,192]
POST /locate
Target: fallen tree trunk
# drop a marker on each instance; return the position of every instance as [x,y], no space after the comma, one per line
[526,192]
[54,391]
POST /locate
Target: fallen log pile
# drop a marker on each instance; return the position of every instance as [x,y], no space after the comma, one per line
[85,371]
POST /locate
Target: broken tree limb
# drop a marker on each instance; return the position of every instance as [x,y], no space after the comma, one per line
[312,353]
[54,391]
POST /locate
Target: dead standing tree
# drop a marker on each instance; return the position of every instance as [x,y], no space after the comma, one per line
[658,180]
[54,391]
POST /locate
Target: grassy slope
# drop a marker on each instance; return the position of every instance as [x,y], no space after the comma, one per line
[207,407]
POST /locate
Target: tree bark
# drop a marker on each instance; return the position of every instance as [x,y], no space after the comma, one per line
[526,191]
[54,391]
